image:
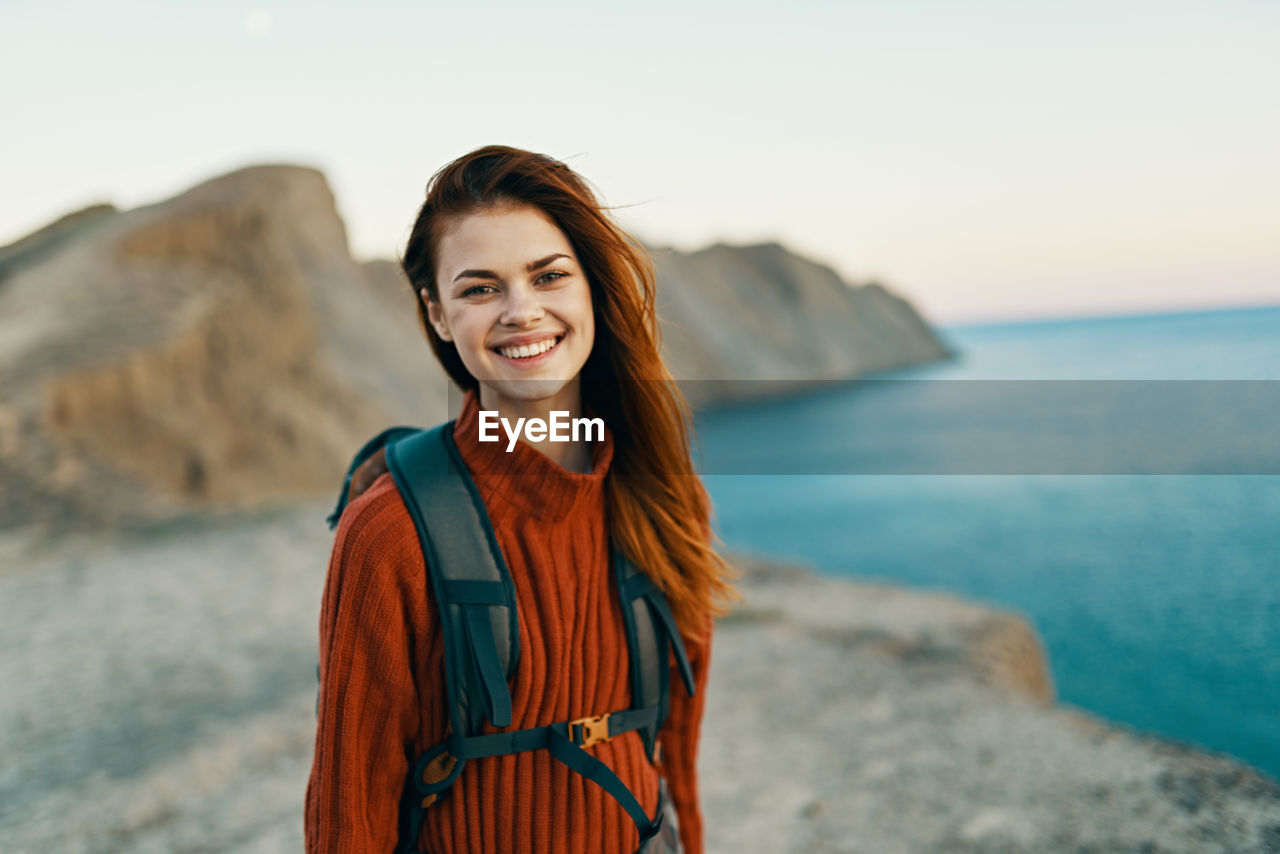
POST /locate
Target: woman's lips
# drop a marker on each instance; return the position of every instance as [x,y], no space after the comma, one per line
[531,361]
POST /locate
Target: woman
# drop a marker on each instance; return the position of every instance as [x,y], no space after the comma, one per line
[534,302]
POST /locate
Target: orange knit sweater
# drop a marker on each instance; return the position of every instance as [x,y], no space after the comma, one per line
[382,696]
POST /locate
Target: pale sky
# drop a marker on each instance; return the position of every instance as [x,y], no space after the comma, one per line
[987,160]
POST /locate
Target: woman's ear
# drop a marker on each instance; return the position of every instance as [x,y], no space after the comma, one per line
[436,316]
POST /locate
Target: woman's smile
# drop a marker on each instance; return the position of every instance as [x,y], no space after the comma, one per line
[529,354]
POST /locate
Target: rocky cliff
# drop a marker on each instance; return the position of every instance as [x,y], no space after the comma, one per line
[221,348]
[749,321]
[196,352]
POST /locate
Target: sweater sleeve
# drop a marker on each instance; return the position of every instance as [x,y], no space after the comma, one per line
[367,710]
[680,736]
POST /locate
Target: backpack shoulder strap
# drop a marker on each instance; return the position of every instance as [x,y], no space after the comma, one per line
[474,594]
[651,632]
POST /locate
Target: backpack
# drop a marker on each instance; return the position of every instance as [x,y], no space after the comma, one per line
[475,601]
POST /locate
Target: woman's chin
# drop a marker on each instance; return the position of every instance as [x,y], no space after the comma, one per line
[530,390]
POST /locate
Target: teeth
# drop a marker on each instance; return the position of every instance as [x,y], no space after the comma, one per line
[527,350]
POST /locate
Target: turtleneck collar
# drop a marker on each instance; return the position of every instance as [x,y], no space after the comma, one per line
[524,479]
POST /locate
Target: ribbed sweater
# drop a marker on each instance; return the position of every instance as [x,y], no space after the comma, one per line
[382,699]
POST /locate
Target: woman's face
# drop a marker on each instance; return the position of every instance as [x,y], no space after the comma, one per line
[517,305]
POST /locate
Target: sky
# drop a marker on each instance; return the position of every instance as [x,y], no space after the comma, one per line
[986,160]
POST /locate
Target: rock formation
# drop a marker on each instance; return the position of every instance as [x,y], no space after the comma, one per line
[748,321]
[222,349]
[193,353]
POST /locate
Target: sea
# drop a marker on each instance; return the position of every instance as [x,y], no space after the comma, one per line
[1116,480]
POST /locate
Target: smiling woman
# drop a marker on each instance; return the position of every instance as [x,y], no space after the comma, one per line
[542,310]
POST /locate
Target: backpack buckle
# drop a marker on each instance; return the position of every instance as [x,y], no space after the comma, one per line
[594,730]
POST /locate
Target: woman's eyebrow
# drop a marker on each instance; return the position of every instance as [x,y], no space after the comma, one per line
[529,268]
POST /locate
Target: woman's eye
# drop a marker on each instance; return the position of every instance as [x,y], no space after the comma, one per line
[556,273]
[476,289]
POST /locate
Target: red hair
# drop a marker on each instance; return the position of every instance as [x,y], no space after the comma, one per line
[659,512]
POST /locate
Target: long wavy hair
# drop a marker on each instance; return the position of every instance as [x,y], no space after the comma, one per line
[658,510]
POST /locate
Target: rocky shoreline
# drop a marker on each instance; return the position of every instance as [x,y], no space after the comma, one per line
[160,689]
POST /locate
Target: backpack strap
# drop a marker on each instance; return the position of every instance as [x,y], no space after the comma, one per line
[651,630]
[473,590]
[475,601]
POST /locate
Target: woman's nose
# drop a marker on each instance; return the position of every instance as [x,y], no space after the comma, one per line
[522,306]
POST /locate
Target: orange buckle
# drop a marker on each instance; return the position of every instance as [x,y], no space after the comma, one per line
[594,730]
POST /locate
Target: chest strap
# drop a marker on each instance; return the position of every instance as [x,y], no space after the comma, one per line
[565,741]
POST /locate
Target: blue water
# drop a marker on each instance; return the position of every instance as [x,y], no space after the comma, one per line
[1157,596]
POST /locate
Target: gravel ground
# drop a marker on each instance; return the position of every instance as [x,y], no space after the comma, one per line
[159,694]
